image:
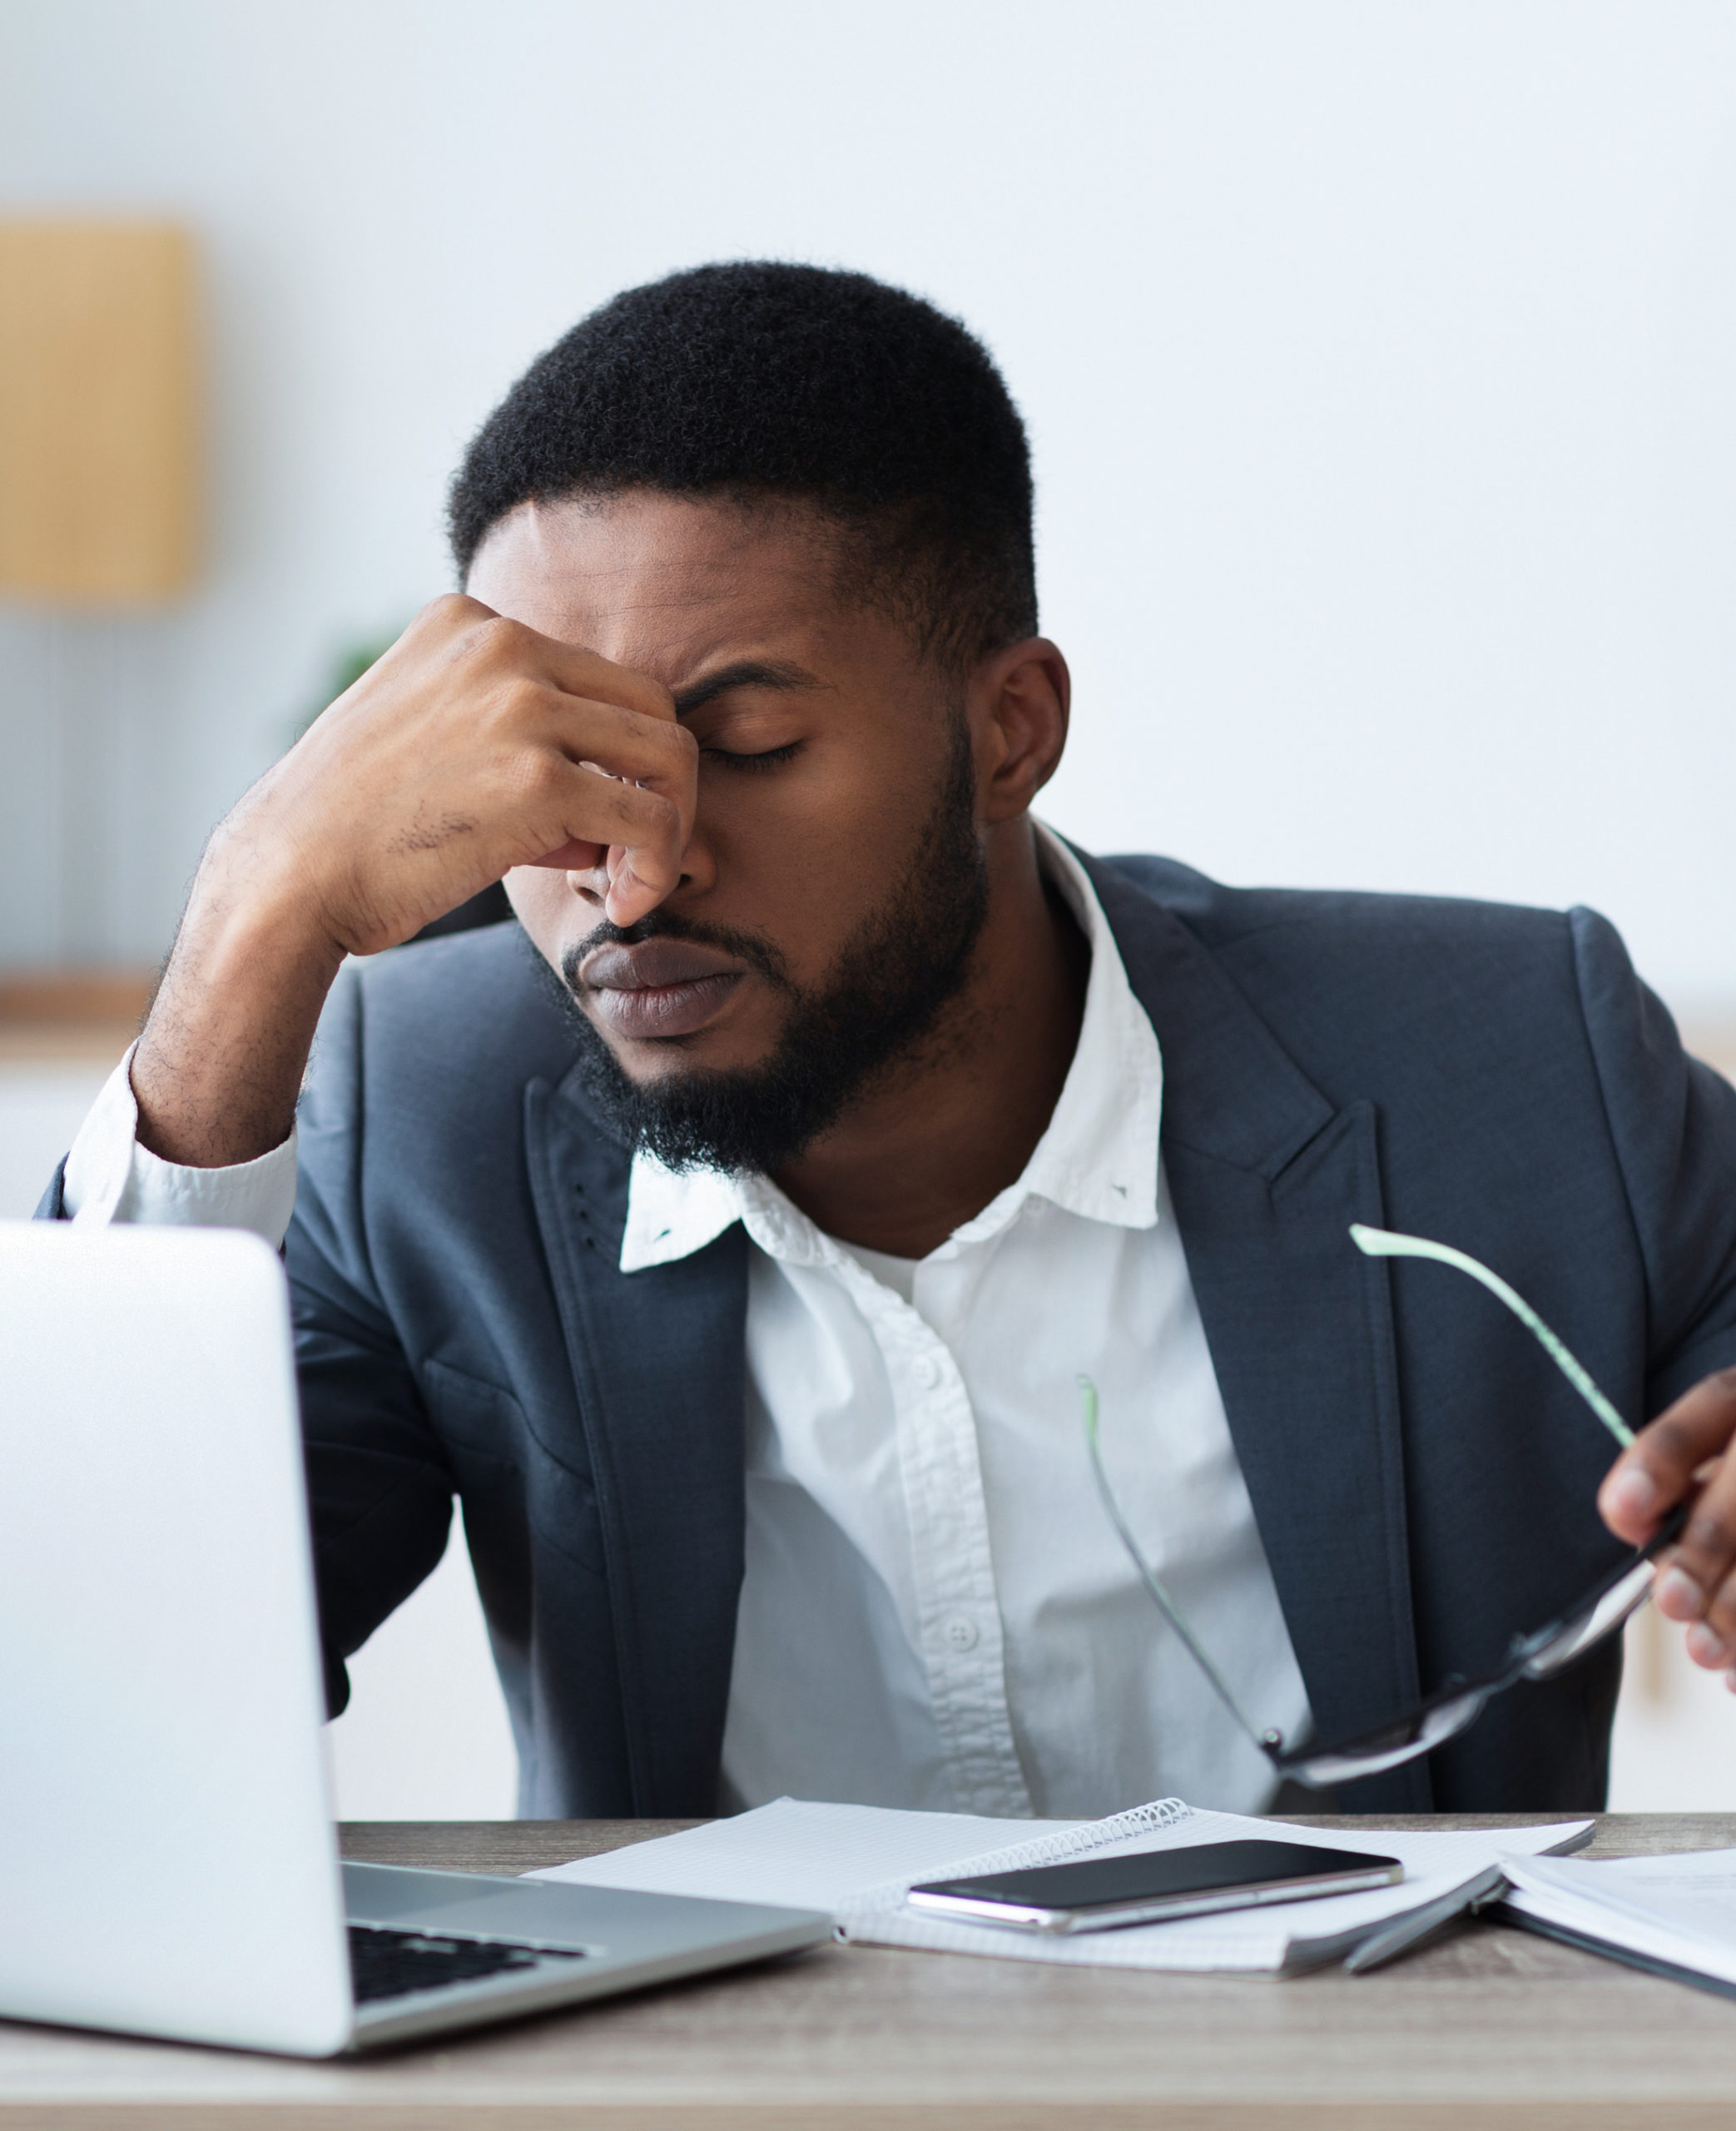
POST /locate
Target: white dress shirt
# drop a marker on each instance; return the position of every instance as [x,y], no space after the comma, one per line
[935,1611]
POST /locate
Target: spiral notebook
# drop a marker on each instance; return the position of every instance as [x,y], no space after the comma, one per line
[858,1862]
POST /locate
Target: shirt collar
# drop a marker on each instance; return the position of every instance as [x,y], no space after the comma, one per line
[1098,1159]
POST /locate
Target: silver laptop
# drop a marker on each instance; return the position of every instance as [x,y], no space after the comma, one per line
[167,1860]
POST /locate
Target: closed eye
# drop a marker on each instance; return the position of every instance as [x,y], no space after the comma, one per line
[769,759]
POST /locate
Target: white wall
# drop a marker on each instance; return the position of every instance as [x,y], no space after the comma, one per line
[1378,358]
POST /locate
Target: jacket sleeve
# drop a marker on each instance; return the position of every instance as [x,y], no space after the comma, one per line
[1672,1123]
[379,1487]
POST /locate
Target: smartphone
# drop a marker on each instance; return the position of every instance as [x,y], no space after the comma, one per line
[1099,1894]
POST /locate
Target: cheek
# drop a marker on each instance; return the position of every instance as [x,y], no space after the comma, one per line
[802,856]
[545,907]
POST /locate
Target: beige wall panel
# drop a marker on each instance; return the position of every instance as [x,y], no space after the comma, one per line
[99,472]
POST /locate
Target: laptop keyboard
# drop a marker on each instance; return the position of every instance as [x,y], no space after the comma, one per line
[391,1964]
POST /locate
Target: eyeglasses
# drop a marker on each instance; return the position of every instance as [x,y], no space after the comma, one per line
[1458,1704]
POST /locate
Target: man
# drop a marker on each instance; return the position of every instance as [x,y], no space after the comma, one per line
[731,1233]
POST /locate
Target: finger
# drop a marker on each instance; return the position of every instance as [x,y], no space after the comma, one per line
[1700,1574]
[572,857]
[601,775]
[1712,1641]
[449,624]
[584,812]
[631,897]
[606,741]
[1707,1648]
[620,740]
[578,672]
[1657,1471]
[1696,1582]
[599,714]
[508,648]
[659,758]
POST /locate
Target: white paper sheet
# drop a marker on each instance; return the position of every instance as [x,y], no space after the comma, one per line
[1679,1909]
[856,1862]
[797,1853]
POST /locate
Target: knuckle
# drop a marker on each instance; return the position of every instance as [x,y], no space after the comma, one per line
[493,640]
[638,695]
[1709,1533]
[658,814]
[615,800]
[1668,1442]
[534,776]
[513,698]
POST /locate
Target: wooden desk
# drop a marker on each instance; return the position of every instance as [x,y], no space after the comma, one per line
[1489,2027]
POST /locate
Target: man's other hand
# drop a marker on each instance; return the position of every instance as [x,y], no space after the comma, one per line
[1684,1449]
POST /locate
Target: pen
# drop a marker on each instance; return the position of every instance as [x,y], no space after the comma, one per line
[1409,1931]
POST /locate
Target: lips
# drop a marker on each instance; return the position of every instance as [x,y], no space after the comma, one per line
[659,987]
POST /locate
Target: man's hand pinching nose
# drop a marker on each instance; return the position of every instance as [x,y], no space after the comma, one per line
[639,876]
[474,745]
[1684,1449]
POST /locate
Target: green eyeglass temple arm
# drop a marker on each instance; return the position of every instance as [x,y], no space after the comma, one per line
[1383,1243]
[1268,1742]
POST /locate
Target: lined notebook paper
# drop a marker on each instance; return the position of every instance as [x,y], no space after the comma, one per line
[858,1862]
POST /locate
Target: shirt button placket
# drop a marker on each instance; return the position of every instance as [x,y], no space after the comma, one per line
[956,1578]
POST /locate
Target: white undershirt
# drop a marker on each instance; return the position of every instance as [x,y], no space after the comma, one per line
[935,1611]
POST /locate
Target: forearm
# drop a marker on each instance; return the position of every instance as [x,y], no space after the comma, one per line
[219,1064]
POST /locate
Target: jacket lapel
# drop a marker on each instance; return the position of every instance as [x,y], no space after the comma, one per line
[1266,1178]
[659,1364]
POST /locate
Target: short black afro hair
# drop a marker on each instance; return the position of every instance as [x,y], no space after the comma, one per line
[758,381]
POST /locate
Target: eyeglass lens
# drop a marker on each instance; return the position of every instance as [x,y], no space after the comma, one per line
[1323,1769]
[1575,1634]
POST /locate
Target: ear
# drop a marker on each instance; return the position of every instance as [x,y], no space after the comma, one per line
[1017,701]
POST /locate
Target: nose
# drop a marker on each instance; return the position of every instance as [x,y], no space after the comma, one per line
[589,883]
[698,874]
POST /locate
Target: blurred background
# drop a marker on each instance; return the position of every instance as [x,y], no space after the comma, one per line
[1378,364]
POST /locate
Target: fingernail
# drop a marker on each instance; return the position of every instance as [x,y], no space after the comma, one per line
[1678,1596]
[1730,1681]
[1707,1647]
[1633,1493]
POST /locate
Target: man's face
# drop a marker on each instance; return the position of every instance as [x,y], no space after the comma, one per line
[826,746]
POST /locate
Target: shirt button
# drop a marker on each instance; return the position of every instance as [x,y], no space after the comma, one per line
[960,1632]
[926,1371]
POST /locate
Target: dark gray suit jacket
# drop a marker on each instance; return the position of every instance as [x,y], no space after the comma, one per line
[1422,1477]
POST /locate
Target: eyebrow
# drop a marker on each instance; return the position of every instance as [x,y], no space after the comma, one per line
[744,673]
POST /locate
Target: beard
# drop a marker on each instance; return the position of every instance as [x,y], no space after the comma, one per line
[873,1008]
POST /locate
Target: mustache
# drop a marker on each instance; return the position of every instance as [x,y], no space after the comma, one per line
[753,948]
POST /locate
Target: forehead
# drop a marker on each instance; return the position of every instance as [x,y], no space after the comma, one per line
[666,583]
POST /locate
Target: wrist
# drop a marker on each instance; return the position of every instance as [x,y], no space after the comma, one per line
[241,948]
[247,902]
[219,1065]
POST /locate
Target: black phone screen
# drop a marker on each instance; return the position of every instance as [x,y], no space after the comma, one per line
[1152,1875]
